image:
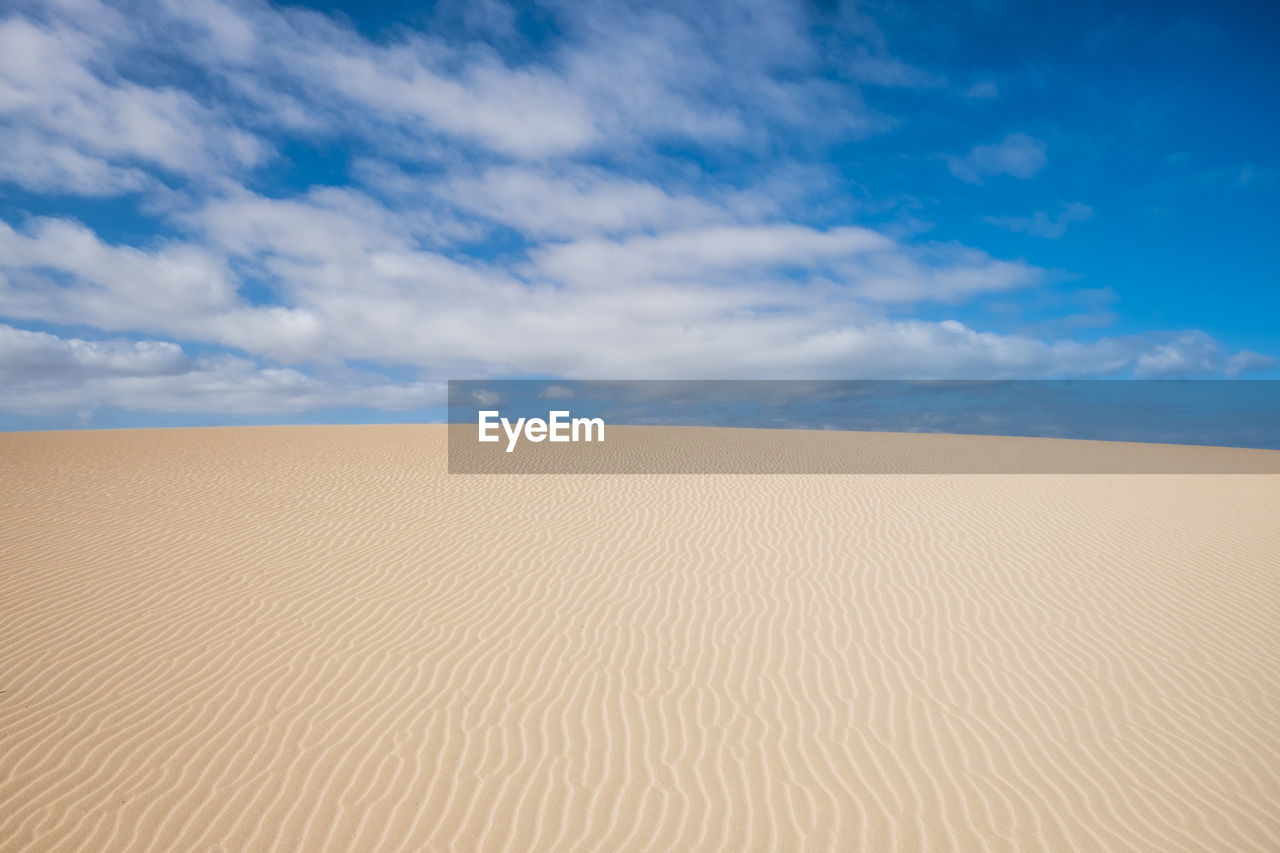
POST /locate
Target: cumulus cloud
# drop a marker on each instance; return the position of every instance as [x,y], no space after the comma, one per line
[1018,154]
[1248,361]
[76,125]
[1190,353]
[59,271]
[26,356]
[45,373]
[1195,353]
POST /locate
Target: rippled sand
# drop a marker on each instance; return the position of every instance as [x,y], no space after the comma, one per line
[315,639]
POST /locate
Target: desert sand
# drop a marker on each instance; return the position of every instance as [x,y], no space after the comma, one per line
[314,638]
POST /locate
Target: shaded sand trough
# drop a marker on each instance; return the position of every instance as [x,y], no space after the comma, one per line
[314,639]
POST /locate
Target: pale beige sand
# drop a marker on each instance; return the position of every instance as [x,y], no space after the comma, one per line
[314,639]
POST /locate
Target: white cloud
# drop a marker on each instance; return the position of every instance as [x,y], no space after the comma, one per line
[326,223]
[82,126]
[42,165]
[26,355]
[573,202]
[46,374]
[761,300]
[713,73]
[1189,353]
[690,255]
[527,113]
[62,272]
[766,264]
[1248,361]
[620,75]
[1018,154]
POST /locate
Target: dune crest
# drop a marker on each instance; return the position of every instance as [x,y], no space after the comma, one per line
[313,638]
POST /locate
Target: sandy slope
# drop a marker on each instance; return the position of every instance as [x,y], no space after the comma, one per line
[313,638]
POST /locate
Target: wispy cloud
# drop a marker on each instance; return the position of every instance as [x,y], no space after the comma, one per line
[1042,224]
[1018,154]
[982,90]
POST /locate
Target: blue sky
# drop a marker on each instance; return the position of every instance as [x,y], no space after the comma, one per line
[223,212]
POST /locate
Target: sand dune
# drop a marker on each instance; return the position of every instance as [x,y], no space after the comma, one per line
[315,639]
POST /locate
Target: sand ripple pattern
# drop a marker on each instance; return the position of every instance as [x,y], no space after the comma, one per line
[314,639]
